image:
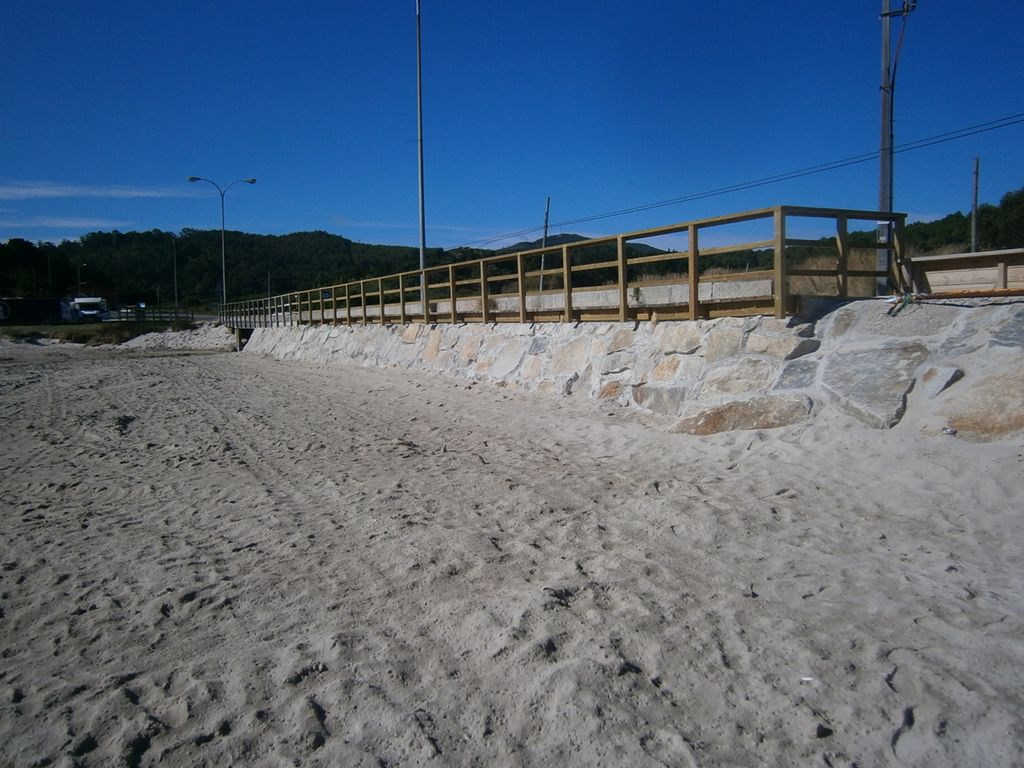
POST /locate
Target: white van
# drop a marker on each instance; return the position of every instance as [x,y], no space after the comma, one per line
[83,309]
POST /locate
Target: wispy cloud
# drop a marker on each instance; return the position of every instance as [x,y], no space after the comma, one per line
[63,222]
[39,190]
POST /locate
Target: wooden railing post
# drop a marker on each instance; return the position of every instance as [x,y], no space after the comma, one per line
[362,298]
[401,299]
[424,304]
[380,298]
[451,292]
[903,277]
[485,310]
[780,262]
[566,284]
[693,272]
[348,305]
[843,264]
[522,287]
[620,252]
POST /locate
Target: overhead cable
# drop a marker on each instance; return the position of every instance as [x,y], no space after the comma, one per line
[991,125]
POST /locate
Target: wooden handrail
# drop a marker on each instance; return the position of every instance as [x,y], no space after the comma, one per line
[455,282]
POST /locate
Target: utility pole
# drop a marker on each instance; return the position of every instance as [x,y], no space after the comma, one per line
[885,152]
[885,145]
[544,240]
[974,208]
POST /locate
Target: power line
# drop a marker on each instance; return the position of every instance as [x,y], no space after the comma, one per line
[991,125]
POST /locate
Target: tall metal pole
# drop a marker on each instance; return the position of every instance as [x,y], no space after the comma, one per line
[419,142]
[223,259]
[885,151]
[974,208]
[174,251]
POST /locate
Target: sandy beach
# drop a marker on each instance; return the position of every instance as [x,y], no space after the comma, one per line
[219,559]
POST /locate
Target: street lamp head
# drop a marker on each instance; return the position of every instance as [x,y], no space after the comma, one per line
[194,178]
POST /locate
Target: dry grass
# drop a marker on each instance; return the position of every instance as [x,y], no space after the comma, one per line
[859,259]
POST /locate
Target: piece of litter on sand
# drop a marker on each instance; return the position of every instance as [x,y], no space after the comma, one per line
[948,431]
[806,679]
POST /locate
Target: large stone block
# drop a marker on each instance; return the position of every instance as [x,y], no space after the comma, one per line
[723,342]
[468,348]
[1009,333]
[570,357]
[623,339]
[680,338]
[539,345]
[783,346]
[669,400]
[798,374]
[871,317]
[990,408]
[509,358]
[912,320]
[762,412]
[433,346]
[747,374]
[617,362]
[872,384]
[936,380]
[843,321]
[532,368]
[666,368]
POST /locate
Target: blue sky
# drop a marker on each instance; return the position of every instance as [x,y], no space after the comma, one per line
[603,105]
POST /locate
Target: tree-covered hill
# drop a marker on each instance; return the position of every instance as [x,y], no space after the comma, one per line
[129,267]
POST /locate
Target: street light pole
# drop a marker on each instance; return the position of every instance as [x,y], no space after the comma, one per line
[174,252]
[223,260]
[80,265]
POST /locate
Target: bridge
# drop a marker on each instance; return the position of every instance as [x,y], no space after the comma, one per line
[671,272]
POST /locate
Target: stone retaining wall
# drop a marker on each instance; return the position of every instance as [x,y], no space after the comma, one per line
[714,375]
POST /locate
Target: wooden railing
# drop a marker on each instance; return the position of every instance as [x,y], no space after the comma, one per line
[599,279]
[981,273]
[152,314]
